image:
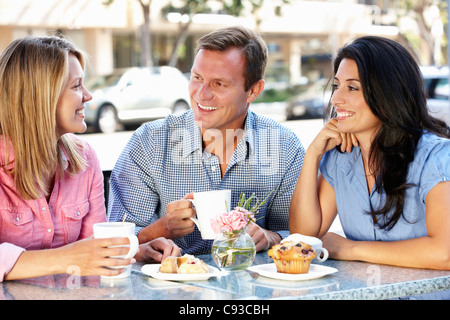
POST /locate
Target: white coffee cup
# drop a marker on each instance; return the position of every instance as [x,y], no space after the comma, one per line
[316,243]
[208,204]
[119,229]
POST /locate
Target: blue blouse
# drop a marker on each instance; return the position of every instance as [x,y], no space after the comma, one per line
[345,173]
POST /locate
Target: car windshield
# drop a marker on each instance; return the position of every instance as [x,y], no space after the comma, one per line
[103,81]
[442,89]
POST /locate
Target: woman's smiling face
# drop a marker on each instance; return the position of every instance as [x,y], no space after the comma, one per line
[353,112]
[70,108]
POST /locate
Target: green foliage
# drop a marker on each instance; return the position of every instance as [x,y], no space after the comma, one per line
[279,95]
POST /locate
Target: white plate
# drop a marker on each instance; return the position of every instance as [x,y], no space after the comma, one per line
[270,270]
[153,271]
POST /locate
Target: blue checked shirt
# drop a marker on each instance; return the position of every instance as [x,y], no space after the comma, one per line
[164,160]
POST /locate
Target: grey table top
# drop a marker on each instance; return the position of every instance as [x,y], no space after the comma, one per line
[354,280]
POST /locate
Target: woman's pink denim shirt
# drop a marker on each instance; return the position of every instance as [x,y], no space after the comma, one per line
[76,204]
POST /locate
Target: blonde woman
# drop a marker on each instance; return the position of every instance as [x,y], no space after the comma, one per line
[51,184]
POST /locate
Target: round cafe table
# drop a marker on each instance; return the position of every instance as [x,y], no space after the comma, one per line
[353,280]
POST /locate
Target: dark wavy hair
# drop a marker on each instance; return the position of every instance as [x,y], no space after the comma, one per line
[393,88]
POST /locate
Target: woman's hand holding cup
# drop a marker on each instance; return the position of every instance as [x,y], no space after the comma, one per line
[118,250]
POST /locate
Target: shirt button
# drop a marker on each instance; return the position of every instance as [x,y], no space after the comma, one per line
[17,218]
[49,230]
[213,168]
[78,213]
[44,208]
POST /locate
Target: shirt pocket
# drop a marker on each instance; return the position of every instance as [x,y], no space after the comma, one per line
[16,226]
[73,220]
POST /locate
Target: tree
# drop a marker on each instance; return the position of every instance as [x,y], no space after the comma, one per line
[426,41]
[146,43]
[146,59]
[187,9]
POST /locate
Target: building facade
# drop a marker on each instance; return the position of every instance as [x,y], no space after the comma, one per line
[301,39]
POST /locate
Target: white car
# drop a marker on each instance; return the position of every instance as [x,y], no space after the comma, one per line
[132,96]
[437,87]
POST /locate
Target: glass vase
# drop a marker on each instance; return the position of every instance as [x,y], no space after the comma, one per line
[233,251]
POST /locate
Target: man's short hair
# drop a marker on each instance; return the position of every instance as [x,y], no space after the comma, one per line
[251,45]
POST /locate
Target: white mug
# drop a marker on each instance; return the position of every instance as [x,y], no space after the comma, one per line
[316,243]
[119,229]
[208,204]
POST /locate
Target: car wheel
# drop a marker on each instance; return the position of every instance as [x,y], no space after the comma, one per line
[107,119]
[180,107]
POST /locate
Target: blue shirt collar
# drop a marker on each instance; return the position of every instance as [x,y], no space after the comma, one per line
[192,142]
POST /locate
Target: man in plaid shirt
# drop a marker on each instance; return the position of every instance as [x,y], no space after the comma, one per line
[218,144]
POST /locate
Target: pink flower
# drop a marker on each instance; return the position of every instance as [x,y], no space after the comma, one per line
[233,220]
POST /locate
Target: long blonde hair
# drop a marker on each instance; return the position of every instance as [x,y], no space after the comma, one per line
[33,71]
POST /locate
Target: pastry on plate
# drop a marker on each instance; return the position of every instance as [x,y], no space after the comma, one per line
[193,266]
[292,257]
[169,265]
[184,264]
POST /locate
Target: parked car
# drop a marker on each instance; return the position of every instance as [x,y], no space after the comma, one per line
[310,103]
[437,88]
[132,96]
